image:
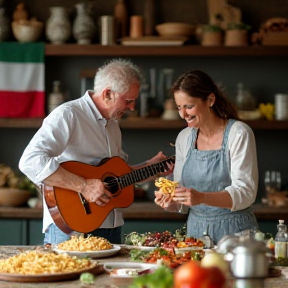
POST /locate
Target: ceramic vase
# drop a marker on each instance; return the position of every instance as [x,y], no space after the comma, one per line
[58,26]
[83,27]
[121,17]
[149,17]
[4,26]
[20,13]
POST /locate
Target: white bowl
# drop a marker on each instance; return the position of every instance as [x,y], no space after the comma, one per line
[27,31]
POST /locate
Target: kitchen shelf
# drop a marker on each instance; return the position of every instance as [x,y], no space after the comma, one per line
[20,122]
[145,123]
[185,50]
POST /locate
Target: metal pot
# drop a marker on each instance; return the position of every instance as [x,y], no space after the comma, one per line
[250,259]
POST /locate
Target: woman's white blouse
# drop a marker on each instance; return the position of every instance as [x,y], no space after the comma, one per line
[243,163]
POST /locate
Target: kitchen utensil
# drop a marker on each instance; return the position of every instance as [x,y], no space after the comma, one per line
[250,259]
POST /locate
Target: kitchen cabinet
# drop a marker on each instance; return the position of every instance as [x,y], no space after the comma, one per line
[23,225]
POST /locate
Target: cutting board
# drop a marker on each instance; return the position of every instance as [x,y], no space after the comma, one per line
[153,41]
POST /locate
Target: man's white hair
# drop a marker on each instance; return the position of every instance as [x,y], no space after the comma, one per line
[118,75]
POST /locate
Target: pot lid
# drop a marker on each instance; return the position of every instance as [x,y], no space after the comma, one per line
[248,245]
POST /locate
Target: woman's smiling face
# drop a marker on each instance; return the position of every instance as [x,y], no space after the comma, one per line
[194,110]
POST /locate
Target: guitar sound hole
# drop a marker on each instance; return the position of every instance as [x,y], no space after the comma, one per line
[112,184]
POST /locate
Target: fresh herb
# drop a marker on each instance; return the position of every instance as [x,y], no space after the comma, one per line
[238,26]
[161,278]
[212,28]
[87,278]
[136,254]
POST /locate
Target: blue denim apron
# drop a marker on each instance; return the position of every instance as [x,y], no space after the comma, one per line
[209,171]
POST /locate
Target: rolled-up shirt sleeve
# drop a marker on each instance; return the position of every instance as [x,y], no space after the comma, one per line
[244,169]
[39,159]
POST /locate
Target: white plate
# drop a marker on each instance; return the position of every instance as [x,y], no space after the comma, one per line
[147,248]
[90,254]
[121,269]
[184,249]
[142,248]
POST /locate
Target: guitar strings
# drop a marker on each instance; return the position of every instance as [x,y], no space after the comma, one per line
[113,182]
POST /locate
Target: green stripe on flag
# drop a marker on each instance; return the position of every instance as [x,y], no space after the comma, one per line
[33,52]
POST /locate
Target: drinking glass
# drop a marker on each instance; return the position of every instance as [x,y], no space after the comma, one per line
[272,181]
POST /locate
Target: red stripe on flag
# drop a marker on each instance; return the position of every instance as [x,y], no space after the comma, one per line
[26,104]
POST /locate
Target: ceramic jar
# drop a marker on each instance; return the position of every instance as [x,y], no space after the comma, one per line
[136,26]
[4,26]
[56,97]
[83,27]
[58,26]
[20,13]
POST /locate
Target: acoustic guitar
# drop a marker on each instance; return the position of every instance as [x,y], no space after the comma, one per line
[69,209]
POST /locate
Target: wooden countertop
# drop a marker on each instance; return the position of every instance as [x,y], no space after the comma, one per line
[104,280]
[147,211]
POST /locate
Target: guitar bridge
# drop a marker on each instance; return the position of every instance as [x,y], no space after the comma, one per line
[85,204]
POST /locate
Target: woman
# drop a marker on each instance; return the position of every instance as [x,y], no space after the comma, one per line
[216,161]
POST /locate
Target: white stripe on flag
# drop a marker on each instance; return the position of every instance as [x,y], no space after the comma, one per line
[21,77]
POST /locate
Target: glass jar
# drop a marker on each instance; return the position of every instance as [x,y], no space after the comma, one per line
[244,99]
[281,241]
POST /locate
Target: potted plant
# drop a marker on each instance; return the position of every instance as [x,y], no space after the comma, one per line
[212,35]
[237,34]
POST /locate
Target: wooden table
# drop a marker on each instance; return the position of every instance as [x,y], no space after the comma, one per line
[105,281]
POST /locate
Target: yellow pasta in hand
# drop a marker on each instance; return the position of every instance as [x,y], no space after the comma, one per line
[167,186]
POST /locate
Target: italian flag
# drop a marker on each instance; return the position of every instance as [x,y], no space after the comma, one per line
[22,79]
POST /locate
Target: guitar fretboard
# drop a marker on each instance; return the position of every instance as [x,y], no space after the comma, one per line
[144,173]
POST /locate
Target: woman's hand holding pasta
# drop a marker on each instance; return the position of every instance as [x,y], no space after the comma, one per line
[166,186]
[164,196]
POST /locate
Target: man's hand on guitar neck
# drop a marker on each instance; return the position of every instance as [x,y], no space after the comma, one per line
[156,159]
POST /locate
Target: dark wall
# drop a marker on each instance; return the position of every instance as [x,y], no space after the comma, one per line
[263,76]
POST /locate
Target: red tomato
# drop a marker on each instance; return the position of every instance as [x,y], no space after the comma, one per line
[192,275]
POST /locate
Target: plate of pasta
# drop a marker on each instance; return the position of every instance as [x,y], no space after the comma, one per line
[47,267]
[89,247]
[90,254]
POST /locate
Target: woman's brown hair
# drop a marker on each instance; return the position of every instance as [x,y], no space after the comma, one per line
[200,85]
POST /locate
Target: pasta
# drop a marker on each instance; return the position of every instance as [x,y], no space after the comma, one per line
[91,243]
[167,186]
[36,262]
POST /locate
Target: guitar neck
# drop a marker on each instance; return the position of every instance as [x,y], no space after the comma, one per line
[141,174]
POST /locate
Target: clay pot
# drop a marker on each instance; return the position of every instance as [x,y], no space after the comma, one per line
[212,38]
[236,38]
